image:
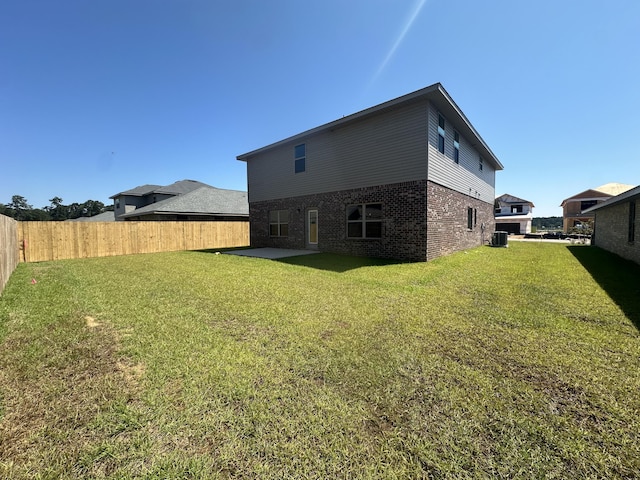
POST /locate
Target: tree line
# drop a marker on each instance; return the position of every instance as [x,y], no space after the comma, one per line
[547,223]
[20,209]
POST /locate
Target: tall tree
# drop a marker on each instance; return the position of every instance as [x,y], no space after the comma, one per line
[57,211]
[20,207]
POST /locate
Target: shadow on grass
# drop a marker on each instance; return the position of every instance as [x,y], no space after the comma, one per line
[336,263]
[619,277]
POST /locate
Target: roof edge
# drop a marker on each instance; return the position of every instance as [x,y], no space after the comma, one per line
[424,92]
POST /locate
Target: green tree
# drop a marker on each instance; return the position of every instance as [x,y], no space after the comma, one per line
[57,211]
[19,207]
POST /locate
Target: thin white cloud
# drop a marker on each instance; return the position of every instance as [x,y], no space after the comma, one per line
[416,11]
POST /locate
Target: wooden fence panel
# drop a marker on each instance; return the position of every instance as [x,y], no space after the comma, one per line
[43,241]
[9,250]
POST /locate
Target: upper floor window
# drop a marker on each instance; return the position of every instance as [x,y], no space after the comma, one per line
[279,223]
[481,164]
[441,133]
[456,147]
[364,221]
[516,209]
[300,156]
[632,221]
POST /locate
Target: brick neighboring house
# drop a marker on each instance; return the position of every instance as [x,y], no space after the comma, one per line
[185,200]
[573,208]
[617,224]
[513,214]
[408,179]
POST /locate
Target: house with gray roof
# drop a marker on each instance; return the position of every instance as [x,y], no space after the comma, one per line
[407,179]
[185,200]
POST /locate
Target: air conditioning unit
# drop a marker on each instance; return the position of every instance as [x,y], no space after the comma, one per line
[500,239]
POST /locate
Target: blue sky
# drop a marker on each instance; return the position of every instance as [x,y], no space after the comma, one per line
[99,96]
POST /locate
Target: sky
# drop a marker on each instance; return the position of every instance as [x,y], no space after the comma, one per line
[100,96]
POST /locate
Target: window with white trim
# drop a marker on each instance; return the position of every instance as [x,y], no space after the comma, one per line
[364,220]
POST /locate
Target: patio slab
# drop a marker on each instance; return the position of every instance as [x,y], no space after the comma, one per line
[270,253]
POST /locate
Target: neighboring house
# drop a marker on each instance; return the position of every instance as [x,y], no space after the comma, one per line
[408,179]
[513,214]
[186,200]
[108,216]
[617,224]
[573,207]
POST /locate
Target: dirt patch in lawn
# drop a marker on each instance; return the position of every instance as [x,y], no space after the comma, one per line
[56,385]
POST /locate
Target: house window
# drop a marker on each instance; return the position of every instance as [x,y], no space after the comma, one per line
[481,164]
[279,223]
[117,203]
[516,209]
[475,217]
[364,221]
[456,147]
[470,218]
[300,156]
[587,204]
[632,221]
[441,133]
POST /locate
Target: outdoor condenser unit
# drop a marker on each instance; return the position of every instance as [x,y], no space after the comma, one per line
[500,239]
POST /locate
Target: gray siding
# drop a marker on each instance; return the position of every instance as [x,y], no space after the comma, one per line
[387,148]
[465,177]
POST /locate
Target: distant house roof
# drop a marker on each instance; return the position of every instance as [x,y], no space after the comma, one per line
[436,94]
[101,217]
[204,200]
[606,190]
[181,187]
[506,198]
[613,188]
[140,191]
[177,188]
[615,200]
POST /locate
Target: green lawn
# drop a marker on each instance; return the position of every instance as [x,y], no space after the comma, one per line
[510,363]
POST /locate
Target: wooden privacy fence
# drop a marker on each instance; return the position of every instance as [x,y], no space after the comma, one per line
[43,241]
[9,254]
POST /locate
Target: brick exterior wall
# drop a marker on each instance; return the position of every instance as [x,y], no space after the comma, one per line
[406,234]
[612,230]
[447,230]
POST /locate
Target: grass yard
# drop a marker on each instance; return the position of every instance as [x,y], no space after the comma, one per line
[508,363]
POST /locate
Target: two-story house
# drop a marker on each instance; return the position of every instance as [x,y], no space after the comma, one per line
[408,179]
[573,208]
[513,214]
[185,200]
